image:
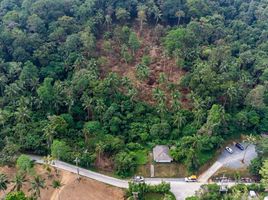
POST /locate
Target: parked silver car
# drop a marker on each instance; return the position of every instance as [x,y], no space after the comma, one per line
[138,179]
[229,150]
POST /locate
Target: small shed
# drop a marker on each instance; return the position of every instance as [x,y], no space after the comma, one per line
[161,154]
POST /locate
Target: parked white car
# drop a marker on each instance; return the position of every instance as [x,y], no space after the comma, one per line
[138,179]
[229,150]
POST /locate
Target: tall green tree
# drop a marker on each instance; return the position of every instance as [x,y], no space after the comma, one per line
[133,42]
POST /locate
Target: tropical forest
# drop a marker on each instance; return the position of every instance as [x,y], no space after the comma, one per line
[105,81]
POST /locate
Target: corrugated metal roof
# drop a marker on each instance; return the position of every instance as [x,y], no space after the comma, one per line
[161,153]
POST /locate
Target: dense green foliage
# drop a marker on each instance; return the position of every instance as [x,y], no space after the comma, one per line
[142,189]
[237,192]
[16,196]
[54,96]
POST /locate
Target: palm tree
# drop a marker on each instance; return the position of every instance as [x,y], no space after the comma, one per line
[22,114]
[3,183]
[48,160]
[87,104]
[179,14]
[108,21]
[3,117]
[49,133]
[142,16]
[3,82]
[157,14]
[12,91]
[100,149]
[158,95]
[100,106]
[19,181]
[179,120]
[36,185]
[56,184]
[249,139]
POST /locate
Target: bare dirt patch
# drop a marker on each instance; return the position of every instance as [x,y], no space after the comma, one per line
[160,63]
[72,189]
[86,189]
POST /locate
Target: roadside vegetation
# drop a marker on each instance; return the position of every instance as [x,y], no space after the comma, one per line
[237,192]
[105,81]
[143,191]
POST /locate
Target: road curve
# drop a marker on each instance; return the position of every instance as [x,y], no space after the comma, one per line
[179,188]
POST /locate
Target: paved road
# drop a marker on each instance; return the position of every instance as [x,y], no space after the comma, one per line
[230,160]
[179,187]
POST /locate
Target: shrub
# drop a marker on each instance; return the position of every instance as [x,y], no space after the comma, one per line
[256,187]
[24,163]
[16,196]
[146,60]
[142,188]
[60,150]
[125,164]
[160,188]
[142,71]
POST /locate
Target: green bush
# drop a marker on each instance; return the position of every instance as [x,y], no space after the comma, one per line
[16,196]
[160,188]
[142,189]
[256,187]
[125,164]
[192,198]
[60,150]
[24,163]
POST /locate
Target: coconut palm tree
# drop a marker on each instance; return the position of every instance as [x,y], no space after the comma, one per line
[108,21]
[3,117]
[18,181]
[48,160]
[56,184]
[100,149]
[36,185]
[142,16]
[179,119]
[3,183]
[179,14]
[49,133]
[22,114]
[157,14]
[87,104]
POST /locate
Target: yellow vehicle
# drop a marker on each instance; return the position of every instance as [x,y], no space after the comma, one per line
[192,178]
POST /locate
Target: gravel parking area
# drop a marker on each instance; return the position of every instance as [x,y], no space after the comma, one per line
[233,161]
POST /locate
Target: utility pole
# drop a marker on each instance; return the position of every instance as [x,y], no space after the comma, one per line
[76,163]
[58,158]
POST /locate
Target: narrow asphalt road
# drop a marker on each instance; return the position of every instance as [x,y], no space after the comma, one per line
[228,160]
[179,187]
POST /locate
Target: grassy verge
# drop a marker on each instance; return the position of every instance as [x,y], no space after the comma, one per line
[232,173]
